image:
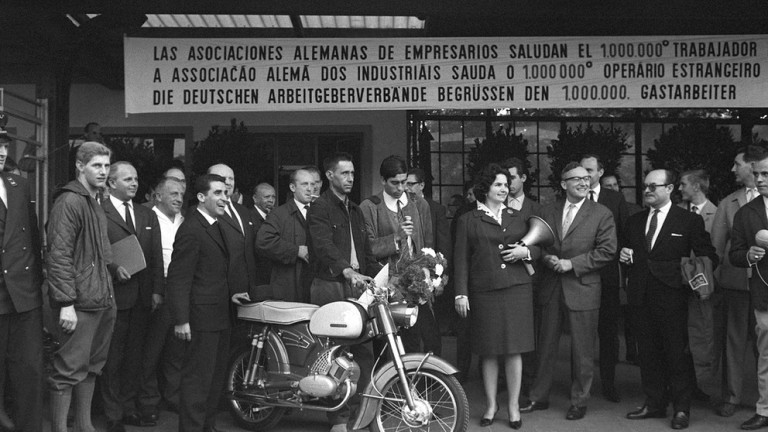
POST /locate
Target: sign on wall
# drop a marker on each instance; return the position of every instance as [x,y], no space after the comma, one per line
[194,75]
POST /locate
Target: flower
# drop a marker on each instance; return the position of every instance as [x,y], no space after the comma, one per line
[414,278]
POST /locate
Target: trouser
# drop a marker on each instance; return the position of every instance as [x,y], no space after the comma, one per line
[83,351]
[608,332]
[123,370]
[701,338]
[21,350]
[740,325]
[427,330]
[761,330]
[203,378]
[666,367]
[163,355]
[583,325]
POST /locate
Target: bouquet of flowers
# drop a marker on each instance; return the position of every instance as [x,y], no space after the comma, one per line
[415,277]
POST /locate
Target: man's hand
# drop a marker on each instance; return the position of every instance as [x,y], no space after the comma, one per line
[183,332]
[157,301]
[462,306]
[550,261]
[123,274]
[68,319]
[625,256]
[563,266]
[406,228]
[238,298]
[303,253]
[755,254]
[355,279]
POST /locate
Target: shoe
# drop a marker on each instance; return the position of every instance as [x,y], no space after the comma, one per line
[576,413]
[134,419]
[726,409]
[488,421]
[680,420]
[115,426]
[534,406]
[516,424]
[646,412]
[699,395]
[756,422]
[610,394]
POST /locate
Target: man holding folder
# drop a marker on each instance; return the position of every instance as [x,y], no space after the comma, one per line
[138,291]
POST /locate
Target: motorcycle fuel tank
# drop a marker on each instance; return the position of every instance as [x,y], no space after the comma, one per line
[340,319]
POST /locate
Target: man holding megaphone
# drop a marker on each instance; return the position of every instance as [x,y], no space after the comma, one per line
[748,246]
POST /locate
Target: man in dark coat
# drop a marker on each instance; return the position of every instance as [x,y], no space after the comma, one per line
[655,241]
[263,202]
[136,296]
[283,239]
[199,296]
[610,304]
[21,317]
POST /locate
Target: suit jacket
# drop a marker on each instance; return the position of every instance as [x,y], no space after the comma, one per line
[279,239]
[241,248]
[707,213]
[141,286]
[590,244]
[263,264]
[197,288]
[618,206]
[682,233]
[21,263]
[330,243]
[728,276]
[381,231]
[478,265]
[750,219]
[441,229]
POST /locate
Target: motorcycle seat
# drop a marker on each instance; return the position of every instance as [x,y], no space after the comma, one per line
[276,312]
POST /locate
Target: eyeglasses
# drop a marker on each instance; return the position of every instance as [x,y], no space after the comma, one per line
[652,187]
[584,179]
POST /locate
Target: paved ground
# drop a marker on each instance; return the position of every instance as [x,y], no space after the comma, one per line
[602,416]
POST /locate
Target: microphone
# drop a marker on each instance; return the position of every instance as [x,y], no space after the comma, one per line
[761,238]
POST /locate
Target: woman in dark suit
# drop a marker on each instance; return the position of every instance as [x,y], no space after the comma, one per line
[491,280]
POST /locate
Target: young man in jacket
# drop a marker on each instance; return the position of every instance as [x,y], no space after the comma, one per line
[80,288]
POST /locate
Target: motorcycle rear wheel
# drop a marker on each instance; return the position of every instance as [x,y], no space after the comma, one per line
[252,416]
[442,393]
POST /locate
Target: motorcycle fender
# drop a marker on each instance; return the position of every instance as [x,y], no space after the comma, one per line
[369,405]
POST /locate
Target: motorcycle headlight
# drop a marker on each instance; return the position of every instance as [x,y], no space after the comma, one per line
[403,315]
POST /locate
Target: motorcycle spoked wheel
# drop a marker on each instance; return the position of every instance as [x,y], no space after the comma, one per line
[432,390]
[252,416]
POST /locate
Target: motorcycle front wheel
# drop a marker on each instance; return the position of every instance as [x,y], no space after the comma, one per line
[441,404]
[250,415]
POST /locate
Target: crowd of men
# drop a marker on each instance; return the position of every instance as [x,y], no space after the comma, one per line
[157,333]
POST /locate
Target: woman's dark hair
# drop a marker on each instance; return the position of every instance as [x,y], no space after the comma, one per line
[487,178]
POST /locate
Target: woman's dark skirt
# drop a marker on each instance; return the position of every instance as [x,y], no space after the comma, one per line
[502,321]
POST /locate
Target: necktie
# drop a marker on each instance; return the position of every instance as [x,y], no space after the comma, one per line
[592,195]
[353,262]
[651,230]
[128,218]
[233,215]
[568,219]
[695,209]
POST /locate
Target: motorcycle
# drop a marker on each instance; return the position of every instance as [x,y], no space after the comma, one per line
[299,358]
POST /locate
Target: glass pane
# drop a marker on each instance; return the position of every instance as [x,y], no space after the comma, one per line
[434,128]
[472,131]
[548,131]
[735,131]
[651,132]
[450,196]
[629,194]
[544,167]
[451,169]
[528,130]
[450,136]
[547,195]
[626,171]
[435,169]
[761,131]
[629,129]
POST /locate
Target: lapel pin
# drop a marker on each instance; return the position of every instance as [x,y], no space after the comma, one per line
[11,181]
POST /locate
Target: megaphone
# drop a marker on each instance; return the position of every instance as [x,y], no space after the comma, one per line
[539,234]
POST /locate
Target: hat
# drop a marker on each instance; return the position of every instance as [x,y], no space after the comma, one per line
[4,136]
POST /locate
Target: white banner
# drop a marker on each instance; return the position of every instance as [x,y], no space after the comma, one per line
[193,75]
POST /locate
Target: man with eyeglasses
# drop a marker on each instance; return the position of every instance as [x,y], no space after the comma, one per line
[656,240]
[747,250]
[569,289]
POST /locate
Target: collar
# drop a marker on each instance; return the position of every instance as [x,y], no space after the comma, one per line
[263,215]
[663,209]
[391,202]
[577,204]
[207,217]
[301,206]
[597,190]
[484,208]
[178,218]
[119,203]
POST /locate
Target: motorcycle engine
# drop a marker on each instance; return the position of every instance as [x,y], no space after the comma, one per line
[329,374]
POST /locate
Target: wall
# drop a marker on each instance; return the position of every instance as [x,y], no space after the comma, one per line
[388,128]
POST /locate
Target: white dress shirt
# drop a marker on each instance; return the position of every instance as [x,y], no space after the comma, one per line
[661,216]
[168,230]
